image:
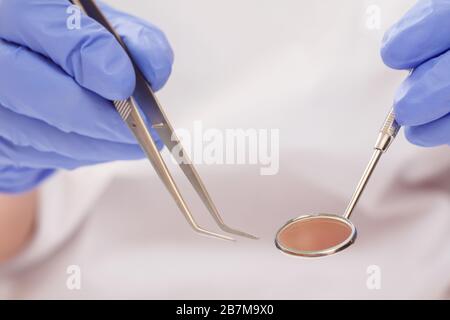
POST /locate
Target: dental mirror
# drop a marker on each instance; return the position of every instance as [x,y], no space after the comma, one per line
[325,234]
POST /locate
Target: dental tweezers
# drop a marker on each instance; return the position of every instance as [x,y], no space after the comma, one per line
[128,109]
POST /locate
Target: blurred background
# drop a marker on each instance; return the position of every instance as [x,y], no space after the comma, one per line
[311,69]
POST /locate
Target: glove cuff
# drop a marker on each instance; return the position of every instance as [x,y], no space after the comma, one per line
[19,180]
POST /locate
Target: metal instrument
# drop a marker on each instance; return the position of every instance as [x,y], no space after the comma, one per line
[144,99]
[325,234]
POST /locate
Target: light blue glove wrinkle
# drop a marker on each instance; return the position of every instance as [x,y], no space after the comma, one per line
[29,178]
[56,85]
[422,103]
[90,54]
[148,44]
[432,134]
[418,36]
[424,96]
[72,145]
[28,157]
[33,86]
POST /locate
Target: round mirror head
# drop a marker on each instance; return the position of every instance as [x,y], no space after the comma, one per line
[315,236]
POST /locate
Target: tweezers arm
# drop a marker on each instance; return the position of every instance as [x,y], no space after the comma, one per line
[144,97]
[147,101]
[129,112]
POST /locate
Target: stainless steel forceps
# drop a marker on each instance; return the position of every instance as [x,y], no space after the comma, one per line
[144,97]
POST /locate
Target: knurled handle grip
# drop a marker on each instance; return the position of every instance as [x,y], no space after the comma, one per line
[388,132]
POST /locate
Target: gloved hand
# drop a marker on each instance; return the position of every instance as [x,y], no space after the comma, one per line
[421,40]
[56,87]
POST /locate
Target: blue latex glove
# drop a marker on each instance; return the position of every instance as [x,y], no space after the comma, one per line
[421,40]
[56,87]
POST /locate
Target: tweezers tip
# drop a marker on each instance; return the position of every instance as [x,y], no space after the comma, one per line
[214,235]
[238,232]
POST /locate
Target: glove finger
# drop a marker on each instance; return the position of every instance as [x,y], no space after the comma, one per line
[431,134]
[42,137]
[90,54]
[148,45]
[29,157]
[418,36]
[33,86]
[29,178]
[425,95]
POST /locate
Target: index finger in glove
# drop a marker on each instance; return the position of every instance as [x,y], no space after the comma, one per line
[90,54]
[418,36]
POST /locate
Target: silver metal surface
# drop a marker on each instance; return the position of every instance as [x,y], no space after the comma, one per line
[317,253]
[144,97]
[363,182]
[386,136]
